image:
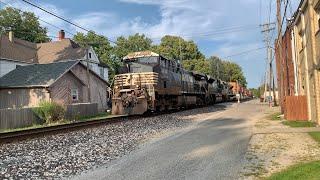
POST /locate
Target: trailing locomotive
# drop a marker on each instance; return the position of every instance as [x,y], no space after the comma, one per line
[150,82]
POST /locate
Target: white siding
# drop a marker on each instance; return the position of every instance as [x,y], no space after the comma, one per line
[97,69]
[6,66]
[106,74]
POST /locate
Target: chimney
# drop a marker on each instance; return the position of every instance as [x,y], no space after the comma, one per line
[61,35]
[11,36]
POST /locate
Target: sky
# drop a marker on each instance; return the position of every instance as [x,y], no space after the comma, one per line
[224,28]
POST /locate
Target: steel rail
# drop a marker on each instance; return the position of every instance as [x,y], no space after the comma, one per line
[8,137]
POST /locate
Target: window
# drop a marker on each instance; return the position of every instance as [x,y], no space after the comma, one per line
[90,55]
[75,94]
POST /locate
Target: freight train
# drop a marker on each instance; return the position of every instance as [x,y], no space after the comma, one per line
[151,82]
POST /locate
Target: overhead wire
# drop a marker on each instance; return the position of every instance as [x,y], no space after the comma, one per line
[197,34]
[244,52]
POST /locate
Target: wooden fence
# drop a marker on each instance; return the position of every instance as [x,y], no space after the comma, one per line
[24,117]
[16,118]
[74,111]
[296,108]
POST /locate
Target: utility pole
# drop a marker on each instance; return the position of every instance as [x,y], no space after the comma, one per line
[266,29]
[88,73]
[279,41]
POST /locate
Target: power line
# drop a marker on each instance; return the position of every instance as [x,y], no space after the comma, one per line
[244,52]
[59,28]
[62,18]
[53,14]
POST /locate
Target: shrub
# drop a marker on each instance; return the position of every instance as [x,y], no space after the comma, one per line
[49,111]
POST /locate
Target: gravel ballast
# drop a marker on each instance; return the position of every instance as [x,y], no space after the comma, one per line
[65,155]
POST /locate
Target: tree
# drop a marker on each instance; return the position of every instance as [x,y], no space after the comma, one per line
[171,46]
[133,43]
[25,25]
[216,67]
[233,72]
[256,92]
[198,65]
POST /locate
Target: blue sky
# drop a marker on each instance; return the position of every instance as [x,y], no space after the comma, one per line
[219,27]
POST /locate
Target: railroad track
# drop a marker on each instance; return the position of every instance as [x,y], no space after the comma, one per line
[9,137]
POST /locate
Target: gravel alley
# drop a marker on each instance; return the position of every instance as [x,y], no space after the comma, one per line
[213,148]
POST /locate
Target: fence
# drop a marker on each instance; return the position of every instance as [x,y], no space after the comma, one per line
[296,108]
[23,117]
[16,118]
[75,111]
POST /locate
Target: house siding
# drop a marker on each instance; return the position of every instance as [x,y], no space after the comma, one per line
[7,65]
[307,49]
[98,88]
[60,91]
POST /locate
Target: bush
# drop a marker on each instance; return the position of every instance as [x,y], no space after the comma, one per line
[49,111]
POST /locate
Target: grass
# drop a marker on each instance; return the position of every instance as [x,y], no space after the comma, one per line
[315,136]
[310,171]
[296,124]
[275,116]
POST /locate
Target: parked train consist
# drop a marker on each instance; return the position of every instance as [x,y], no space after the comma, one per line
[150,82]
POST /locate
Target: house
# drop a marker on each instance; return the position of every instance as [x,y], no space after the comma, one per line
[15,52]
[299,67]
[306,47]
[286,67]
[65,82]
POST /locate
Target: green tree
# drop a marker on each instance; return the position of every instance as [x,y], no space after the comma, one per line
[256,92]
[25,25]
[233,72]
[171,46]
[133,43]
[198,65]
[216,67]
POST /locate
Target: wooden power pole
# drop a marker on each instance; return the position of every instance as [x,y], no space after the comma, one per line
[266,29]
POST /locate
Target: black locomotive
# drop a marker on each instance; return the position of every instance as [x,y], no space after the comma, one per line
[150,82]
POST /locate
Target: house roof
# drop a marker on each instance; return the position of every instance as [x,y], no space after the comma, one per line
[59,50]
[42,53]
[18,50]
[36,75]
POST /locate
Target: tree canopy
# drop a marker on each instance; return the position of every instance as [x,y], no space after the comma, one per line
[25,25]
[130,44]
[171,46]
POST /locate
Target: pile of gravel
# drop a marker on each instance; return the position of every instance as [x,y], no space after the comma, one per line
[64,155]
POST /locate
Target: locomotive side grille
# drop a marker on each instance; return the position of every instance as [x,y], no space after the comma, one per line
[133,79]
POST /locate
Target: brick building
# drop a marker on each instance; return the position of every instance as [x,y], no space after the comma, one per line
[285,68]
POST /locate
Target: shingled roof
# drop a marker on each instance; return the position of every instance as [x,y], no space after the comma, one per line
[19,50]
[42,53]
[36,75]
[59,50]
